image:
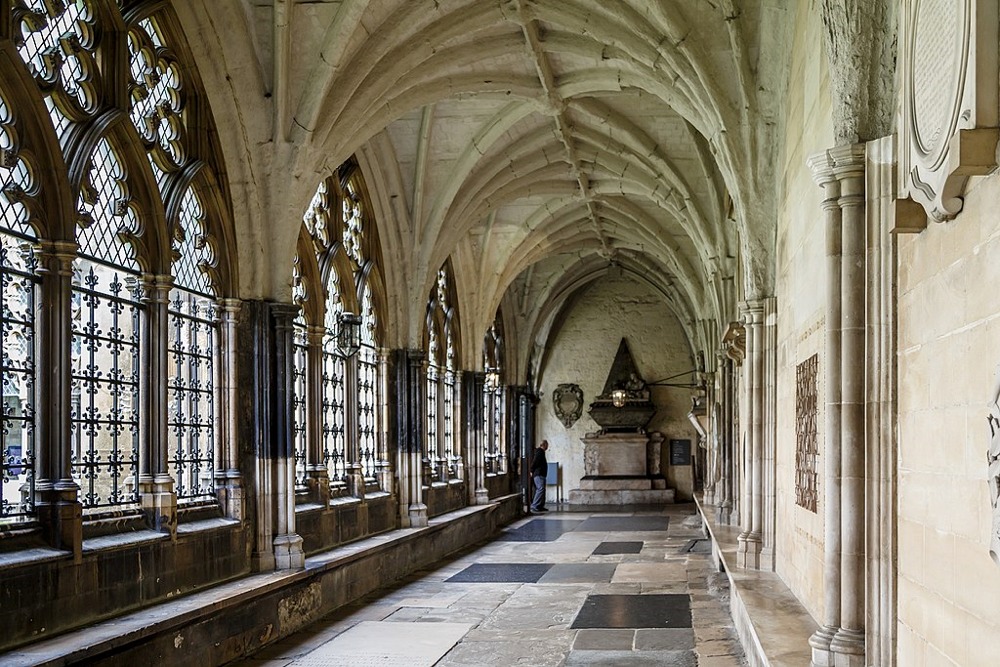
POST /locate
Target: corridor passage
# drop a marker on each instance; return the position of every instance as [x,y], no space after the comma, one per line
[618,587]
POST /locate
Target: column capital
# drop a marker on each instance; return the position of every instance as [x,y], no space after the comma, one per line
[229,305]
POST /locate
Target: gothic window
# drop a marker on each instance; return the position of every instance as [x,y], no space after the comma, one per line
[58,43]
[105,363]
[442,459]
[495,461]
[338,240]
[300,352]
[192,352]
[17,327]
[333,415]
[368,387]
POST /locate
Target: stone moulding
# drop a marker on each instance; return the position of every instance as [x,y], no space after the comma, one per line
[949,112]
[567,401]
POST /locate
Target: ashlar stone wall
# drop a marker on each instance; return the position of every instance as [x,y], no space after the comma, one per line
[800,295]
[949,348]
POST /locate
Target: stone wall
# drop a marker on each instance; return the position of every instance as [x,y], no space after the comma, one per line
[800,293]
[949,348]
[582,353]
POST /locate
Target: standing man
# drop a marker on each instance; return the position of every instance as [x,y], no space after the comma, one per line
[539,471]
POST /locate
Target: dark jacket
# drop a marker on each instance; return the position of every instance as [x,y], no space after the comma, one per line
[539,465]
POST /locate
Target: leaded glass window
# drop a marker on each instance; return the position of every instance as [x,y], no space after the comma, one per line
[334,400]
[368,388]
[192,353]
[57,41]
[441,456]
[493,400]
[17,327]
[300,356]
[106,344]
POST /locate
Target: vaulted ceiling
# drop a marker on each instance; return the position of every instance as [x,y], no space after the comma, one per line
[538,143]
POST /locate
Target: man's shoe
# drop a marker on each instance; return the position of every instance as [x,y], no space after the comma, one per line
[541,509]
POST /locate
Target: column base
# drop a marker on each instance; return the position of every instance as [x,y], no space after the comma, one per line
[288,554]
[723,514]
[229,488]
[61,516]
[356,484]
[848,648]
[418,515]
[482,497]
[748,553]
[159,504]
[820,643]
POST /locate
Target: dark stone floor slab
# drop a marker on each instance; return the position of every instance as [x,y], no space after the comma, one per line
[607,548]
[579,573]
[501,573]
[540,530]
[669,610]
[602,524]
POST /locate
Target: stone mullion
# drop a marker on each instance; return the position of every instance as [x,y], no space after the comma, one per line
[474,385]
[317,474]
[410,430]
[384,466]
[56,500]
[849,642]
[724,513]
[156,486]
[288,552]
[229,482]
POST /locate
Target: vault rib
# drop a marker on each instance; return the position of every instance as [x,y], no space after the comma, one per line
[557,109]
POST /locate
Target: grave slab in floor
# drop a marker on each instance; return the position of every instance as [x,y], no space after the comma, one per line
[524,573]
[624,524]
[631,659]
[669,610]
[540,530]
[608,548]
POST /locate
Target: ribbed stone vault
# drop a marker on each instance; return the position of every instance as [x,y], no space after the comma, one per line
[538,143]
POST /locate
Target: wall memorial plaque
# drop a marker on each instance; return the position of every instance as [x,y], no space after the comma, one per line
[680,452]
[949,115]
[567,403]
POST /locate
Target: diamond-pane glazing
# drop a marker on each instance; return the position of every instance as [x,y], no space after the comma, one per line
[104,211]
[17,310]
[194,251]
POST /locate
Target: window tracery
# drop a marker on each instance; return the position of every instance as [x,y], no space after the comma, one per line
[442,459]
[338,240]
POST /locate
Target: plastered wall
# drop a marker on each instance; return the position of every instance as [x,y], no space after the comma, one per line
[582,353]
[800,295]
[948,349]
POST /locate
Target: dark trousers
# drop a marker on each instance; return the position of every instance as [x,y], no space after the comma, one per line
[538,501]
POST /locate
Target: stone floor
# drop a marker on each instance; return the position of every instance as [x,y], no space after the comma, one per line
[628,587]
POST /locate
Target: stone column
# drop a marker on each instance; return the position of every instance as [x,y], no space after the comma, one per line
[840,640]
[56,501]
[228,480]
[820,641]
[409,393]
[288,553]
[474,384]
[156,486]
[849,643]
[748,554]
[725,499]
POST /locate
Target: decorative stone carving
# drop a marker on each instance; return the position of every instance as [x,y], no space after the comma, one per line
[993,461]
[949,122]
[567,401]
[806,442]
[734,342]
[637,409]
